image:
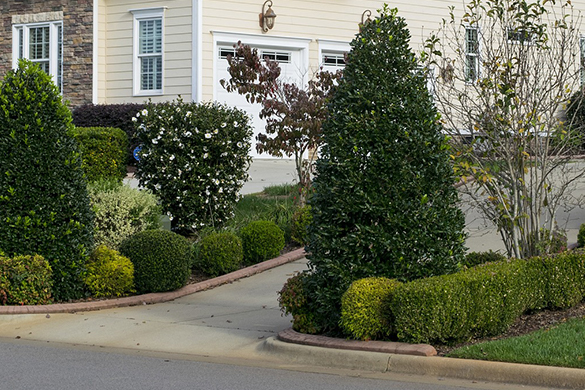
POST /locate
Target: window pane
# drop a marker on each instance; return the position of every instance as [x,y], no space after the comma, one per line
[39,43]
[150,36]
[151,73]
[60,57]
[20,42]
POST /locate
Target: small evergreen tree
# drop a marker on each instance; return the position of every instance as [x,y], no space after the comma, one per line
[44,205]
[384,201]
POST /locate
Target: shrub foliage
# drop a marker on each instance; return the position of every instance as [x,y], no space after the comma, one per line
[262,240]
[109,274]
[25,280]
[103,152]
[477,302]
[194,157]
[161,260]
[364,308]
[44,206]
[384,203]
[293,300]
[121,211]
[219,253]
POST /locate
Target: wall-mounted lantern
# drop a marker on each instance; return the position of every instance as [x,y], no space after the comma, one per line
[366,18]
[267,16]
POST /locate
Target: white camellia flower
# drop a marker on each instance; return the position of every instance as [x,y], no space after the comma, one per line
[144,112]
[134,119]
[223,125]
[206,155]
[215,131]
[207,135]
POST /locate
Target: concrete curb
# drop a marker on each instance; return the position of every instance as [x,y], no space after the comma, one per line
[477,370]
[290,336]
[151,298]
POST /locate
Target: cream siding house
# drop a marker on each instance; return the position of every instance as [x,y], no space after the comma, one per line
[119,51]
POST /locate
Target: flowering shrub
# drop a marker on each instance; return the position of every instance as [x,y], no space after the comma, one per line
[194,157]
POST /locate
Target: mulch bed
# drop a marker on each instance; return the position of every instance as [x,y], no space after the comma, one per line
[527,323]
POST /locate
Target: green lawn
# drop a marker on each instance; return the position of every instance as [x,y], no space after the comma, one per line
[275,203]
[562,345]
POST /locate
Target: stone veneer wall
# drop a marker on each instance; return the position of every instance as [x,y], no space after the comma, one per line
[77,40]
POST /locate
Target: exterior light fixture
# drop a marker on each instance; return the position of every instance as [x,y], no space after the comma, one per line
[267,17]
[366,18]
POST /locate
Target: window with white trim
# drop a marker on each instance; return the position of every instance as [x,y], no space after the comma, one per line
[148,51]
[471,54]
[42,44]
[333,59]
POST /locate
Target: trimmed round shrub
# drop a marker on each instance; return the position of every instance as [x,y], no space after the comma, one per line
[103,152]
[262,240]
[25,280]
[476,258]
[195,158]
[302,218]
[161,260]
[44,205]
[293,300]
[220,253]
[121,211]
[109,274]
[364,308]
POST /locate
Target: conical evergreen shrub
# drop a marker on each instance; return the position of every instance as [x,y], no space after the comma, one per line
[44,205]
[384,201]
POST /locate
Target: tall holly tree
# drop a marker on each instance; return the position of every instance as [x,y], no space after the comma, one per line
[44,205]
[384,200]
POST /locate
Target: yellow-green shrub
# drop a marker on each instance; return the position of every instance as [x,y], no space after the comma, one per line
[109,274]
[261,240]
[25,280]
[364,308]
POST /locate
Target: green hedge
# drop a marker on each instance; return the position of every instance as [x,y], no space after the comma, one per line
[103,152]
[484,300]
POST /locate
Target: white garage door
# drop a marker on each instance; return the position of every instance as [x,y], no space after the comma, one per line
[291,71]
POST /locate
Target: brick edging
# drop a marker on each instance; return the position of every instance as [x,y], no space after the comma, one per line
[291,336]
[151,298]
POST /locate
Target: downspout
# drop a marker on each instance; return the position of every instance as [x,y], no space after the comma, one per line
[196,50]
[95,43]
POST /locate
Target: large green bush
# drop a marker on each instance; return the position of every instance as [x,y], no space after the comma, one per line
[121,211]
[109,274]
[194,157]
[364,308]
[301,220]
[161,260]
[25,280]
[384,203]
[103,152]
[219,253]
[44,206]
[262,240]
